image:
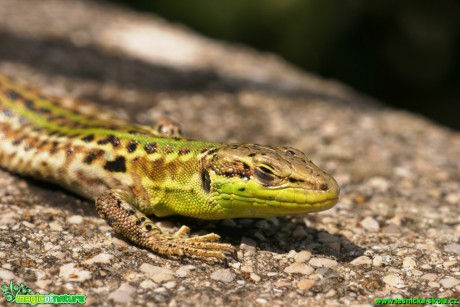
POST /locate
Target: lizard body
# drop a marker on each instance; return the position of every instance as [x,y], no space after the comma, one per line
[132,171]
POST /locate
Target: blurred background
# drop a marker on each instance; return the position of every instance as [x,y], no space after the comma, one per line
[405,53]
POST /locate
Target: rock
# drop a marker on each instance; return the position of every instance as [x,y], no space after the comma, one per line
[323,262]
[449,282]
[394,280]
[370,224]
[75,219]
[184,271]
[409,263]
[70,272]
[302,256]
[429,277]
[152,269]
[300,268]
[305,284]
[363,260]
[248,244]
[377,261]
[452,248]
[147,284]
[224,275]
[122,294]
[6,275]
[255,277]
[100,258]
[156,273]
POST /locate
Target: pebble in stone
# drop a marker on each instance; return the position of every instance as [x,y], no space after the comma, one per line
[152,269]
[70,272]
[300,268]
[291,254]
[75,219]
[247,269]
[409,263]
[305,284]
[255,277]
[55,226]
[99,258]
[184,271]
[170,284]
[43,283]
[370,224]
[122,294]
[449,282]
[147,284]
[429,277]
[6,275]
[261,301]
[302,256]
[377,261]
[379,183]
[156,273]
[323,262]
[394,280]
[363,260]
[224,275]
[248,244]
[452,248]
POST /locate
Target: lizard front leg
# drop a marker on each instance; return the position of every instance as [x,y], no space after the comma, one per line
[114,206]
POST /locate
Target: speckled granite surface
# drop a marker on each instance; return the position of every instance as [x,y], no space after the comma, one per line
[394,233]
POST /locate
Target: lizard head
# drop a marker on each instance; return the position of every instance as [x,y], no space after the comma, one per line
[262,181]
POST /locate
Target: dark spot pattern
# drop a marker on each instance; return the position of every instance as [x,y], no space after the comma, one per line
[110,139]
[13,95]
[88,138]
[30,105]
[130,212]
[8,112]
[132,145]
[18,141]
[92,155]
[184,151]
[117,165]
[150,148]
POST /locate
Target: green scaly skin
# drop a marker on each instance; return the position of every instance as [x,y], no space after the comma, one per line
[132,171]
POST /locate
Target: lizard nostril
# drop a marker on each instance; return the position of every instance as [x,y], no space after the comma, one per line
[324,187]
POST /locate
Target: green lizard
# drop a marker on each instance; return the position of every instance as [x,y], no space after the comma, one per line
[133,171]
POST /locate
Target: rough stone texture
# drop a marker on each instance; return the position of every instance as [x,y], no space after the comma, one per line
[399,173]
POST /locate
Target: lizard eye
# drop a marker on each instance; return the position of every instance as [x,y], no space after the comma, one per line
[264,174]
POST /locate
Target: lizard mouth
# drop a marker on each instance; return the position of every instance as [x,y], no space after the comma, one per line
[278,202]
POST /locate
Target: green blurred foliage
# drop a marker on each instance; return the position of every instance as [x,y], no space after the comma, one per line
[405,53]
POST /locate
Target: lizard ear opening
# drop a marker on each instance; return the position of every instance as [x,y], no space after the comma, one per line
[205,180]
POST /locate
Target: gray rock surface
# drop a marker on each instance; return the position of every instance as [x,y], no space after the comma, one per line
[394,233]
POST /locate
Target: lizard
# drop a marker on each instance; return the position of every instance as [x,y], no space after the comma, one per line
[133,172]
